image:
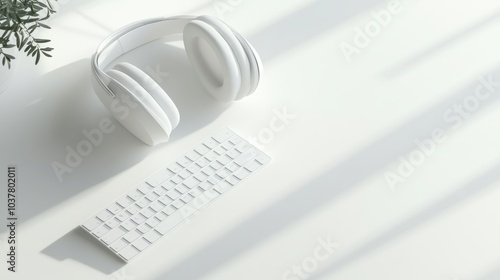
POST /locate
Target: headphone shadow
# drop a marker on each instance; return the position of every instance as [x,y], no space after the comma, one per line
[168,64]
[175,76]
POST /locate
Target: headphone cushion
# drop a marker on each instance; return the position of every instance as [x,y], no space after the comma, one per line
[213,60]
[140,95]
[150,86]
[238,50]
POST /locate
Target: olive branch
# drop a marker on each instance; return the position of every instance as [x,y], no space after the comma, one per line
[19,19]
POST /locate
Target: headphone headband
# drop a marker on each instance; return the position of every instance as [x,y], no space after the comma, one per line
[131,37]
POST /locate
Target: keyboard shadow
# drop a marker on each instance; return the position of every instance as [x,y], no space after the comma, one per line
[78,245]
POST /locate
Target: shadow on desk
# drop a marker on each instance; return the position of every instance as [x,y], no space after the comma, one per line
[50,115]
[80,246]
[330,186]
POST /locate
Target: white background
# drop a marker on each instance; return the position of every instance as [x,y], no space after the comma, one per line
[355,122]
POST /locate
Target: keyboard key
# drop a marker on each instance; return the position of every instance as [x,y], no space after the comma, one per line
[200,177]
[224,160]
[133,209]
[195,192]
[135,195]
[191,182]
[100,231]
[160,177]
[92,223]
[112,223]
[185,174]
[252,166]
[161,216]
[184,161]
[219,150]
[233,180]
[169,185]
[123,216]
[118,245]
[232,167]
[170,222]
[192,155]
[222,187]
[211,156]
[235,139]
[202,162]
[178,204]
[193,168]
[227,145]
[140,244]
[128,225]
[211,143]
[205,185]
[242,174]
[175,168]
[216,165]
[169,210]
[242,147]
[160,191]
[143,228]
[152,222]
[173,194]
[138,218]
[246,157]
[156,206]
[177,179]
[181,189]
[223,173]
[186,198]
[147,212]
[124,201]
[152,236]
[143,202]
[113,235]
[233,154]
[202,149]
[213,180]
[208,170]
[131,236]
[151,196]
[144,188]
[104,215]
[129,252]
[263,159]
[114,208]
[165,200]
[222,135]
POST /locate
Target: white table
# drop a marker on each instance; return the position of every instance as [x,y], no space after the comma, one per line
[406,102]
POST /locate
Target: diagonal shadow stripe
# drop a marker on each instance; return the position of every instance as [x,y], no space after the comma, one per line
[306,23]
[324,189]
[409,64]
[465,192]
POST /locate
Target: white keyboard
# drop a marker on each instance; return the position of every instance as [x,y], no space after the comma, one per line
[138,219]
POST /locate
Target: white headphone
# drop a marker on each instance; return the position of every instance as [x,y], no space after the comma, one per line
[226,64]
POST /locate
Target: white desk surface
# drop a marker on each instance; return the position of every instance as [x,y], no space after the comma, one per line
[355,122]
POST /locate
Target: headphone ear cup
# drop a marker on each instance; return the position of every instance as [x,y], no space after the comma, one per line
[158,94]
[239,51]
[141,115]
[213,61]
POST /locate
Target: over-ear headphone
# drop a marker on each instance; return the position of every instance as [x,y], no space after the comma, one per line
[226,64]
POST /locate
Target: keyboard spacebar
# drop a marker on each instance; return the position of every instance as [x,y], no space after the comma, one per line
[187,210]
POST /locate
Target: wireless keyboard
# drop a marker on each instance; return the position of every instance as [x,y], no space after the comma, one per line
[138,219]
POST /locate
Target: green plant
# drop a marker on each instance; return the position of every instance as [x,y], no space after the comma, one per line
[19,19]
